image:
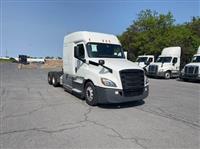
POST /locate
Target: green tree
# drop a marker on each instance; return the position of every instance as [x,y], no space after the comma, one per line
[151,32]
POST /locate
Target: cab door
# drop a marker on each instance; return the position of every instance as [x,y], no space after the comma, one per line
[80,67]
[175,65]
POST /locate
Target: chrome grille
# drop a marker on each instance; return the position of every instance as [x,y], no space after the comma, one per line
[153,69]
[191,70]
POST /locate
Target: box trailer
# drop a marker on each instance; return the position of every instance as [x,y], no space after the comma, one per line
[94,67]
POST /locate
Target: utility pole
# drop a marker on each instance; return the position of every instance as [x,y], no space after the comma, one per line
[6,53]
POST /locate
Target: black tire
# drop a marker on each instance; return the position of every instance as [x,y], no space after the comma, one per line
[55,80]
[90,94]
[50,78]
[167,75]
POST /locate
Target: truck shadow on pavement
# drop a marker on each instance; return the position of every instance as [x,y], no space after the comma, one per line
[189,81]
[161,78]
[122,105]
[113,105]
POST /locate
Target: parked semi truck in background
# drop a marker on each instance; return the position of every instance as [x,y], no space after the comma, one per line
[167,64]
[191,71]
[94,67]
[144,61]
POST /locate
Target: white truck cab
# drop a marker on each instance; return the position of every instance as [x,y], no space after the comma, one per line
[144,61]
[191,71]
[167,64]
[94,66]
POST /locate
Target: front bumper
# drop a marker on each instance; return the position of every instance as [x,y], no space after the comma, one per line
[190,77]
[107,95]
[157,74]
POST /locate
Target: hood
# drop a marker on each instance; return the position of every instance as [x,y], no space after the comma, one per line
[193,64]
[141,64]
[117,63]
[161,64]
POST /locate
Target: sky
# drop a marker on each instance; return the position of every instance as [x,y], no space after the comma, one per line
[37,27]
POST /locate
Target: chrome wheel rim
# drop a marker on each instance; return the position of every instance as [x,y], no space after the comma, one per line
[167,75]
[53,80]
[89,93]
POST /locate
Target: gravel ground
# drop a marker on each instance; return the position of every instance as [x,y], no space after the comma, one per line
[34,114]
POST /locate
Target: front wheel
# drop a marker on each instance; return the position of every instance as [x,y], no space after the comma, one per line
[167,75]
[90,94]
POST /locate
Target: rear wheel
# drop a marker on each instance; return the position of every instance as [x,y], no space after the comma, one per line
[49,78]
[90,94]
[167,75]
[55,80]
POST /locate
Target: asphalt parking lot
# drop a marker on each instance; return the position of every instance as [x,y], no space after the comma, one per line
[34,114]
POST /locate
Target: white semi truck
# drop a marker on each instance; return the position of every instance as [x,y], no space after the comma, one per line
[167,64]
[191,71]
[94,67]
[144,61]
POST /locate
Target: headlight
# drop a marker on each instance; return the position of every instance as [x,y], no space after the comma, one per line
[108,82]
[146,80]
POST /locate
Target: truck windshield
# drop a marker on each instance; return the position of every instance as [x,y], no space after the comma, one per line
[142,59]
[196,59]
[164,59]
[104,50]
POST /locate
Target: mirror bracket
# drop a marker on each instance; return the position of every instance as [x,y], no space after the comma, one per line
[101,62]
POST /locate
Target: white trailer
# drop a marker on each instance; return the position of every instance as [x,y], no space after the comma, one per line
[36,60]
[191,71]
[167,64]
[94,67]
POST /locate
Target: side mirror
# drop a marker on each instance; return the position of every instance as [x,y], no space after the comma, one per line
[101,62]
[147,63]
[126,54]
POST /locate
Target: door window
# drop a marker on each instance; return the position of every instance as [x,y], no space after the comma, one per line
[150,59]
[174,60]
[81,50]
